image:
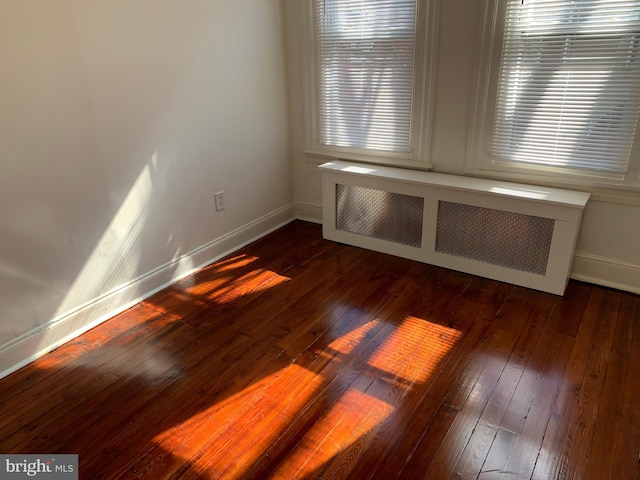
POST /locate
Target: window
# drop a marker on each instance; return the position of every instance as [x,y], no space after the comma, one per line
[563,98]
[368,94]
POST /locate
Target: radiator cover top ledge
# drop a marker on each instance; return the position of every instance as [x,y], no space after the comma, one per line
[511,232]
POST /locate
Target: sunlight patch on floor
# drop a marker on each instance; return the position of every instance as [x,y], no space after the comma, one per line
[366,393]
[223,290]
[335,430]
[260,411]
[428,344]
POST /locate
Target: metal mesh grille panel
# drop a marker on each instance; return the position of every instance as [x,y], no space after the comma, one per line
[511,240]
[378,214]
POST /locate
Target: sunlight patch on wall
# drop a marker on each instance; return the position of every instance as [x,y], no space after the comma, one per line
[114,260]
[183,268]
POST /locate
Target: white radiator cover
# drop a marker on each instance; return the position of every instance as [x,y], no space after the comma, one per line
[511,232]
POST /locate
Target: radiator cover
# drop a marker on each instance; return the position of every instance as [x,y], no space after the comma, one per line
[516,233]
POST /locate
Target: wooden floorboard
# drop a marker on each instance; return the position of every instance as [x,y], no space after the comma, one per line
[298,357]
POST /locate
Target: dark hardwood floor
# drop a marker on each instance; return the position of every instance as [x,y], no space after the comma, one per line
[302,358]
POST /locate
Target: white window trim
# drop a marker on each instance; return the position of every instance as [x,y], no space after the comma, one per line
[611,188]
[422,114]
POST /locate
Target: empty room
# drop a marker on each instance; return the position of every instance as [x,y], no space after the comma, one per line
[277,239]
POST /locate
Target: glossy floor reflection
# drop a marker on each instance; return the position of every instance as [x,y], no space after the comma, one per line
[301,358]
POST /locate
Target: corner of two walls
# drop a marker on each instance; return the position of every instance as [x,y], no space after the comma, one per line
[607,251]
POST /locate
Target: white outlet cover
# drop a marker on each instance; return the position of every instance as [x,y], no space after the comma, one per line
[219,199]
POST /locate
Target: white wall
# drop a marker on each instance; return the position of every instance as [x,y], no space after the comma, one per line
[608,250]
[119,120]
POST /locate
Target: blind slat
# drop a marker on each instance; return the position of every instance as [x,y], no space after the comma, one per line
[366,73]
[569,84]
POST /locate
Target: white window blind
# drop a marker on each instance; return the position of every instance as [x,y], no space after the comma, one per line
[569,84]
[365,73]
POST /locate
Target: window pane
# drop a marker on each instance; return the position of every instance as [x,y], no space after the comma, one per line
[569,84]
[365,63]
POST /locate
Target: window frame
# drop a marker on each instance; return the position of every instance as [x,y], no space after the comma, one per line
[422,105]
[617,188]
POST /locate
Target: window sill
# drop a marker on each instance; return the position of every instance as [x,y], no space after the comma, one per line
[600,190]
[318,157]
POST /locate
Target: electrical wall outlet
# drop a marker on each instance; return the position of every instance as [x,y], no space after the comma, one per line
[219,196]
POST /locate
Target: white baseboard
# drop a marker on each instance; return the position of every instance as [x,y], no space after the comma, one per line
[37,342]
[605,271]
[308,212]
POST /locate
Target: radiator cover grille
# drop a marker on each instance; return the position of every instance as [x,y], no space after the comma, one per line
[516,233]
[394,217]
[508,239]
